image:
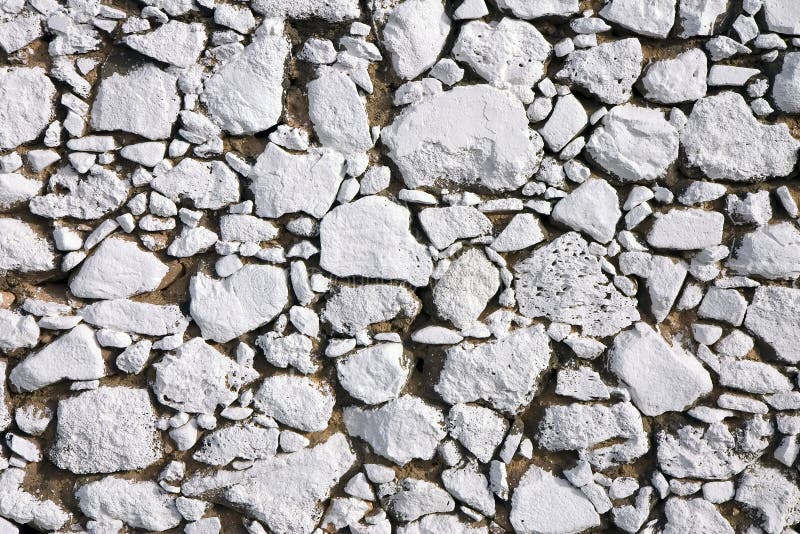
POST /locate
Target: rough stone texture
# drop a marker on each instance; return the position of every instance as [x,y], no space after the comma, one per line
[757,151]
[504,373]
[26,105]
[106,430]
[492,148]
[634,144]
[607,71]
[245,95]
[384,249]
[563,282]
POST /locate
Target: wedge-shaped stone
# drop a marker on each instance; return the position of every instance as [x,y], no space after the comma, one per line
[546,503]
[73,356]
[285,492]
[117,269]
[26,105]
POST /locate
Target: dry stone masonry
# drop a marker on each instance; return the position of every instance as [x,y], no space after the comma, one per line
[400,266]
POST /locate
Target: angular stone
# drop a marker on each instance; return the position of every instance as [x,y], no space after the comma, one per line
[338,114]
[672,81]
[414,35]
[349,310]
[17,331]
[283,183]
[140,505]
[660,377]
[246,441]
[541,8]
[383,249]
[772,495]
[494,147]
[591,208]
[504,372]
[26,104]
[634,144]
[444,226]
[774,317]
[88,197]
[374,374]
[607,71]
[546,503]
[285,492]
[401,430]
[565,283]
[782,16]
[686,229]
[509,52]
[726,142]
[118,268]
[462,293]
[135,317]
[22,249]
[209,185]
[653,19]
[176,43]
[143,101]
[584,427]
[771,252]
[694,515]
[244,301]
[73,356]
[296,401]
[245,95]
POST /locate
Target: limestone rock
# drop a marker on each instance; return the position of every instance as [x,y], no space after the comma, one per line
[143,101]
[401,430]
[634,144]
[563,282]
[384,249]
[245,95]
[504,372]
[726,142]
[282,182]
[493,146]
[660,377]
[118,268]
[26,105]
[247,299]
[106,430]
[73,356]
[607,71]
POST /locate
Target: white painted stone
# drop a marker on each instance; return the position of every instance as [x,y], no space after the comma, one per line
[384,249]
[634,144]
[471,135]
[660,377]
